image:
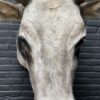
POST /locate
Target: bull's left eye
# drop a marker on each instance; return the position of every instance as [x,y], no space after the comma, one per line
[24,48]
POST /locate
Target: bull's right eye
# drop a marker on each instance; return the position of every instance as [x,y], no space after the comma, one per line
[24,48]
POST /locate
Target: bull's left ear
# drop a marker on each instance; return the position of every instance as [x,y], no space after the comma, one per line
[91,9]
[10,11]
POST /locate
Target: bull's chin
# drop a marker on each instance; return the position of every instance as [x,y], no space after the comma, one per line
[59,97]
[52,94]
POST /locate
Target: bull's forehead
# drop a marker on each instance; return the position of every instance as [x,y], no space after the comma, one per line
[53,3]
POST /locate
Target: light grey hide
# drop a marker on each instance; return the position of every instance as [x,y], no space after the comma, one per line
[52,28]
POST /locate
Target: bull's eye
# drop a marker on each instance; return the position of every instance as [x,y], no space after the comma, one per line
[25,49]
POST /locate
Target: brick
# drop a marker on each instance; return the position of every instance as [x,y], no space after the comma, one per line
[86,81]
[89,56]
[91,87]
[21,87]
[8,54]
[90,49]
[11,81]
[19,74]
[28,93]
[8,61]
[7,47]
[88,98]
[89,62]
[7,41]
[93,37]
[10,68]
[7,26]
[88,74]
[4,87]
[21,98]
[88,69]
[87,93]
[91,29]
[95,23]
[98,31]
[5,74]
[4,98]
[91,43]
[26,81]
[8,34]
[10,93]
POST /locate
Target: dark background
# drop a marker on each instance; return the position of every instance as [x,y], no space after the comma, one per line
[14,80]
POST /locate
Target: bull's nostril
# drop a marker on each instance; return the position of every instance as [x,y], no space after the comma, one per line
[24,49]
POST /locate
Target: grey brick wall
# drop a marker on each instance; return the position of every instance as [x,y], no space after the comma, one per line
[14,80]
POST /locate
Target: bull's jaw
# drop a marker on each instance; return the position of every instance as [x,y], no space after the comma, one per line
[50,89]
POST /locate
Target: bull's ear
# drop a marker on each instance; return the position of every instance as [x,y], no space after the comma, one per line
[23,2]
[24,49]
[91,9]
[10,11]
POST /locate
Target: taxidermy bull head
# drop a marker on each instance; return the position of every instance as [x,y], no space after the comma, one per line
[46,42]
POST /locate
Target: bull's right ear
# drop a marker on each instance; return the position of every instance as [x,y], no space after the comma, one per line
[10,11]
[91,9]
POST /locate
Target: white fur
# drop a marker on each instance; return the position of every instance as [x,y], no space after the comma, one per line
[53,30]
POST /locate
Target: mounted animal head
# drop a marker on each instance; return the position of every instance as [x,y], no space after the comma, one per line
[48,35]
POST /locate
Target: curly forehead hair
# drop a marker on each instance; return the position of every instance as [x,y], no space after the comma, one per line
[25,2]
